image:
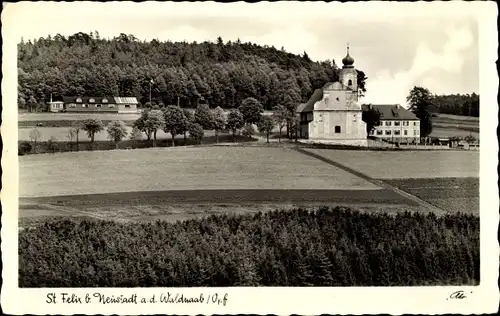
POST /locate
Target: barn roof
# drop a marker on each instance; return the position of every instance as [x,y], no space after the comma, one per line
[127,100]
[72,99]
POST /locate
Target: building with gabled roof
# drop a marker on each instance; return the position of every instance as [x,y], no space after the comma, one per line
[98,104]
[397,124]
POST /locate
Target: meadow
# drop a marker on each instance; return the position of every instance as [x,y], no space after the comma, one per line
[188,182]
[446,179]
[408,164]
[180,168]
[447,125]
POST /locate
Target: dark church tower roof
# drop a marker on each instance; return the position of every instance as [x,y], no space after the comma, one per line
[348,61]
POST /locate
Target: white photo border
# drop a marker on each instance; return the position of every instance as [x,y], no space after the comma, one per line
[271,300]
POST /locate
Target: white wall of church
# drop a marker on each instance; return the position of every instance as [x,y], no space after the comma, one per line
[338,124]
[332,100]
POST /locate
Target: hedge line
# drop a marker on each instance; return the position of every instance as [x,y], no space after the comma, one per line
[66,146]
[327,247]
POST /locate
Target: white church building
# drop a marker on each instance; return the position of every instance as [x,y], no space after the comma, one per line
[333,113]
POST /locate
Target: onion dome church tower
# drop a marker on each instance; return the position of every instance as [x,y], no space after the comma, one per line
[348,75]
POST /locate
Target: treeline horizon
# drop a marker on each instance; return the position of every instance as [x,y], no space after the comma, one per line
[222,74]
[184,73]
[456,104]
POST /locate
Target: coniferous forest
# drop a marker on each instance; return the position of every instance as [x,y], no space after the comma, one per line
[220,73]
[326,247]
[456,104]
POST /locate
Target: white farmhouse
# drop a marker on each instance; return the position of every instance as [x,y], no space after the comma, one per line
[397,124]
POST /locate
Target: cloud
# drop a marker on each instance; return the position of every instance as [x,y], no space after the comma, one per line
[185,32]
[294,38]
[393,88]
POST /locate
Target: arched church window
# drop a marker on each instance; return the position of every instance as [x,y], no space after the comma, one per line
[349,83]
[337,98]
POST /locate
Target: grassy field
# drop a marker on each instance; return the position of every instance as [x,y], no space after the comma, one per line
[446,179]
[449,194]
[407,164]
[179,169]
[461,118]
[183,183]
[446,125]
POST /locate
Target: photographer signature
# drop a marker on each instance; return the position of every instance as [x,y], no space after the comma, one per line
[458,295]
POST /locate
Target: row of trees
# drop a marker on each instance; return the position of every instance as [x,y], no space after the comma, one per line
[456,104]
[223,74]
[178,121]
[327,247]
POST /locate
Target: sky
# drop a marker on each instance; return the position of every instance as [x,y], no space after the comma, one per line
[397,45]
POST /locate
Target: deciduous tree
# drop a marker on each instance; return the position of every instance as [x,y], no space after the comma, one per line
[280,116]
[135,135]
[219,121]
[189,115]
[248,130]
[204,117]
[92,126]
[117,131]
[235,122]
[140,124]
[155,120]
[372,119]
[266,125]
[251,109]
[175,121]
[75,130]
[196,132]
[35,136]
[420,99]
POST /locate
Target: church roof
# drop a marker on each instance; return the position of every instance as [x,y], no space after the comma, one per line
[342,86]
[309,105]
[301,107]
[391,111]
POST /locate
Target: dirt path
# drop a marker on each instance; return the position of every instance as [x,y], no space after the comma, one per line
[374,181]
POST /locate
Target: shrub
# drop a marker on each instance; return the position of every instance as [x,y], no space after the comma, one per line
[248,130]
[24,148]
[52,145]
[196,132]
